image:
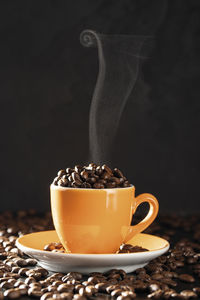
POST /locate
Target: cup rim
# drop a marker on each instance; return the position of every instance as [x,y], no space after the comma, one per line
[56,187]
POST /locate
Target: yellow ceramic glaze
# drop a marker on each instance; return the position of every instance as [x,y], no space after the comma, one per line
[98,220]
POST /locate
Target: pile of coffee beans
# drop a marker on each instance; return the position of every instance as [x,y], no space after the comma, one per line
[174,275]
[91,176]
[124,248]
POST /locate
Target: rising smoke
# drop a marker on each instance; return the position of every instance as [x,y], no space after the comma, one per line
[119,58]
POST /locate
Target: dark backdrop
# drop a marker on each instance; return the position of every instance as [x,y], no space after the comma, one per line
[46,84]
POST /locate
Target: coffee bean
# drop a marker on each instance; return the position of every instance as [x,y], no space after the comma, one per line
[186,278]
[156,295]
[118,173]
[46,296]
[126,183]
[78,168]
[90,289]
[35,292]
[196,290]
[105,176]
[84,175]
[20,262]
[61,173]
[94,280]
[86,185]
[188,294]
[101,286]
[79,297]
[66,296]
[99,170]
[76,177]
[65,288]
[75,275]
[57,283]
[6,285]
[12,294]
[154,287]
[98,185]
[15,269]
[23,291]
[107,169]
[111,185]
[192,260]
[111,288]
[170,294]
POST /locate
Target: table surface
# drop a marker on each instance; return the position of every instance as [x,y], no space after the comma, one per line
[183,233]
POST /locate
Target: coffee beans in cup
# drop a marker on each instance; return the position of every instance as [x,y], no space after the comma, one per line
[92,176]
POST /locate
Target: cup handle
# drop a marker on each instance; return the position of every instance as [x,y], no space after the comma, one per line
[152,213]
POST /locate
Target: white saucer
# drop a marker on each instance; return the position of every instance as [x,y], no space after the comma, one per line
[32,244]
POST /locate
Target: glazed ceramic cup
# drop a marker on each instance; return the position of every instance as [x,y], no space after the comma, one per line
[98,220]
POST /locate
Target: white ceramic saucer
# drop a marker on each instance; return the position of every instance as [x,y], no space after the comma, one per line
[32,244]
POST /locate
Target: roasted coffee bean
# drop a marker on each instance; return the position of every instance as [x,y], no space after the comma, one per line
[83,292]
[91,180]
[84,175]
[94,280]
[52,288]
[79,297]
[101,286]
[86,185]
[56,283]
[170,294]
[12,294]
[153,287]
[61,173]
[192,260]
[156,295]
[128,295]
[99,170]
[111,288]
[78,168]
[196,290]
[118,173]
[15,269]
[23,291]
[75,275]
[107,169]
[46,296]
[30,280]
[35,292]
[20,262]
[6,285]
[126,184]
[66,296]
[76,176]
[111,185]
[98,185]
[65,288]
[186,278]
[188,294]
[90,289]
[105,175]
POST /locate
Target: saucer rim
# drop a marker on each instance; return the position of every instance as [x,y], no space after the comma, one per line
[109,255]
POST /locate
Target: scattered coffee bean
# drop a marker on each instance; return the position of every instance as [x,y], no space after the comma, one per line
[188,294]
[186,278]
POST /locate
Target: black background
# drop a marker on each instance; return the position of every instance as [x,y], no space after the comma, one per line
[46,83]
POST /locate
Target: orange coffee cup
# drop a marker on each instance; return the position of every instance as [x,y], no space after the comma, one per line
[98,220]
